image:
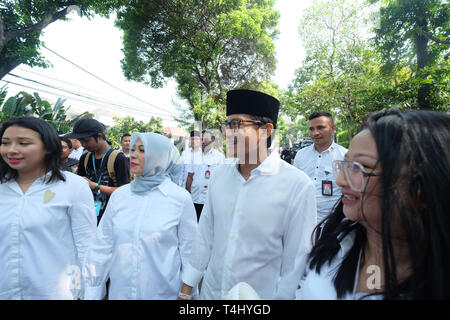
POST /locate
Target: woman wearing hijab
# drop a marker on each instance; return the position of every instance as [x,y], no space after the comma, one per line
[144,239]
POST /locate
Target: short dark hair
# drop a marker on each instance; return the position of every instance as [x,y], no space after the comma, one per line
[50,140]
[195,133]
[67,140]
[321,114]
[264,120]
[125,135]
[210,133]
[95,136]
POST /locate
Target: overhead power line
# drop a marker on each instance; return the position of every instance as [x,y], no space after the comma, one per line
[89,103]
[86,96]
[90,73]
[75,85]
[55,79]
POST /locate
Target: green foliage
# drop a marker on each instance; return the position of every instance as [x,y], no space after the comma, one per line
[342,139]
[291,131]
[208,47]
[415,34]
[22,23]
[25,104]
[340,73]
[345,75]
[129,125]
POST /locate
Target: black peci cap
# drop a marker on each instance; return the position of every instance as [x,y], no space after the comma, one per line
[86,128]
[253,103]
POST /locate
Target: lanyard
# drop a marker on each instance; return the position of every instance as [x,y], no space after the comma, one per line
[101,164]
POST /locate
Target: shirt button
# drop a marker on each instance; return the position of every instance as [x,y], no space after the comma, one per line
[225,292]
[228,266]
[238,210]
[233,237]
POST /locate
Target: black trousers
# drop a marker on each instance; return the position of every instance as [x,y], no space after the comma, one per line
[198,210]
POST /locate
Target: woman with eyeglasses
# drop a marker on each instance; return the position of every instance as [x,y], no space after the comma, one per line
[388,237]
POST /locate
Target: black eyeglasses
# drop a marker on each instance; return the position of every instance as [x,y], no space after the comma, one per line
[235,124]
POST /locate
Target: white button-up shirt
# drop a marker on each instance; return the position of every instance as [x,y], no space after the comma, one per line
[143,244]
[44,236]
[200,183]
[315,165]
[320,286]
[76,153]
[256,231]
[189,157]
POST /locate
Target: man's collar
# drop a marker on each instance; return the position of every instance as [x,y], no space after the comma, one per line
[331,147]
[269,166]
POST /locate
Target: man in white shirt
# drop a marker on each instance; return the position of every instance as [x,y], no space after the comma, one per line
[191,156]
[317,161]
[125,144]
[199,174]
[77,149]
[259,214]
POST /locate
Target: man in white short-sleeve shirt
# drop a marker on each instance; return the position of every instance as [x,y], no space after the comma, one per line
[199,174]
[259,214]
[317,161]
[191,156]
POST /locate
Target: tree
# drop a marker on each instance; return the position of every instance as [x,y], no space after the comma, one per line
[340,69]
[416,34]
[129,125]
[25,104]
[208,46]
[22,23]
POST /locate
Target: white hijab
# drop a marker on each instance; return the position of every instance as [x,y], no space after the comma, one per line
[162,160]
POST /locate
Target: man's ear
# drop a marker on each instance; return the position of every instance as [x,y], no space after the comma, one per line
[333,127]
[268,129]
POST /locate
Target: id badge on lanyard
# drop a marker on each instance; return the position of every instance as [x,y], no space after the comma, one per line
[327,186]
[98,206]
[207,173]
[98,203]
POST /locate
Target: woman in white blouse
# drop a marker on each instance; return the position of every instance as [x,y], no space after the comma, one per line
[47,216]
[388,238]
[144,238]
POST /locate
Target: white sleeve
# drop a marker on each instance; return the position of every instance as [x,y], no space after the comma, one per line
[297,160]
[201,250]
[186,231]
[83,219]
[99,258]
[297,240]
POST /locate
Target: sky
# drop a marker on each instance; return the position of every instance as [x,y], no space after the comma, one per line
[95,46]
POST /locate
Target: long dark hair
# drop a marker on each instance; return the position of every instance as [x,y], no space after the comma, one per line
[413,148]
[50,140]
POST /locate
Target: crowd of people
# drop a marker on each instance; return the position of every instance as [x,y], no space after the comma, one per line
[81,220]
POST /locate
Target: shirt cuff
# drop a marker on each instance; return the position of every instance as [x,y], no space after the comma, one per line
[191,276]
[94,293]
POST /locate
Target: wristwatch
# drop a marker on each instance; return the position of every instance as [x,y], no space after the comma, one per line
[96,189]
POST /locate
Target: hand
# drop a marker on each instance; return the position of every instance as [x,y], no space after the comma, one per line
[185,293]
[92,184]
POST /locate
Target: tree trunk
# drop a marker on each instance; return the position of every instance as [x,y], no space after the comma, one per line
[7,66]
[2,34]
[5,37]
[423,60]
